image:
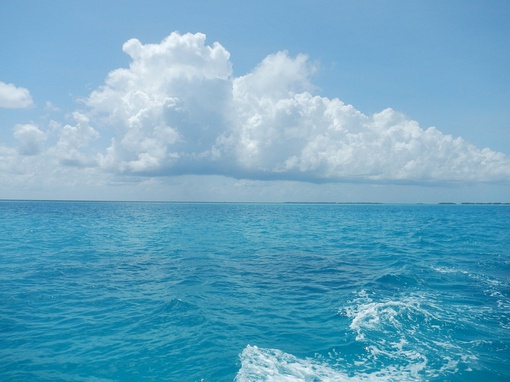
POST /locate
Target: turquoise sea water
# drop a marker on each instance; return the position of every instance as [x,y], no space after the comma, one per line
[114,291]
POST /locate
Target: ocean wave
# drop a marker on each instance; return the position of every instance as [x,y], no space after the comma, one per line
[412,334]
[493,291]
[274,365]
[268,365]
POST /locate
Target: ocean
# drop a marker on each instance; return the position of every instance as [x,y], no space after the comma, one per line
[122,291]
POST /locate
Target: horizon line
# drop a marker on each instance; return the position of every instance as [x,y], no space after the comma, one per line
[249,202]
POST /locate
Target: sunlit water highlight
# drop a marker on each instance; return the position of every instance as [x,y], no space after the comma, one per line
[102,291]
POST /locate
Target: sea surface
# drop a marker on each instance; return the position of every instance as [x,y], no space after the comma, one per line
[118,291]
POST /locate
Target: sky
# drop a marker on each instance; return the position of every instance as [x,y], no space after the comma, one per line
[256,101]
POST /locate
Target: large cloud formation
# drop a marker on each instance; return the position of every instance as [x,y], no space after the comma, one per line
[178,109]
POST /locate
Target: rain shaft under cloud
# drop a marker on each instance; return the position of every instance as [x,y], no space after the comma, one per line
[178,109]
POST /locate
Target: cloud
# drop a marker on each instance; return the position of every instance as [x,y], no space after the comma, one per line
[168,107]
[72,147]
[31,139]
[307,137]
[179,110]
[12,97]
[276,76]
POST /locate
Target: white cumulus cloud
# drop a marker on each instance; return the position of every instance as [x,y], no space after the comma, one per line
[307,137]
[178,109]
[12,97]
[72,147]
[31,139]
[168,107]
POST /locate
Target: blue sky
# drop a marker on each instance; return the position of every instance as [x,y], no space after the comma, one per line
[301,100]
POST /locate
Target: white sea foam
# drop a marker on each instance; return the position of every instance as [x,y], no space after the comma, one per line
[403,335]
[400,315]
[273,365]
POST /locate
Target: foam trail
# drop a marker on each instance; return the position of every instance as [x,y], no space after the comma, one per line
[408,334]
[274,365]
